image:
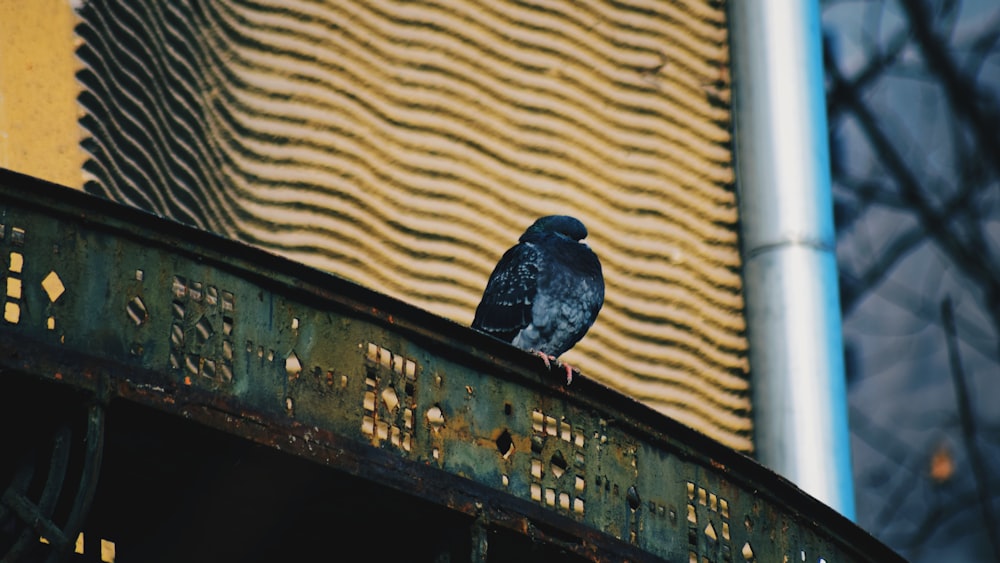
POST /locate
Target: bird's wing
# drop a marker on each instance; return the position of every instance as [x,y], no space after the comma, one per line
[505,308]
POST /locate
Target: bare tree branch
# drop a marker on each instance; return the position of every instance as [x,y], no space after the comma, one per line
[968,422]
[963,95]
[930,71]
[934,220]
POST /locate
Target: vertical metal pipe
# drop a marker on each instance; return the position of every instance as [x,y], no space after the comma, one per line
[480,540]
[790,268]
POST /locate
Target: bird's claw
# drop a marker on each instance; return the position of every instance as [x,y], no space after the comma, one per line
[546,358]
[548,365]
[569,373]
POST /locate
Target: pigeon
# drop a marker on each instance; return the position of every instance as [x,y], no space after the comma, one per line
[545,292]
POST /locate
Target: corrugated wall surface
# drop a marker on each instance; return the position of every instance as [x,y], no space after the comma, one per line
[39,134]
[406,145]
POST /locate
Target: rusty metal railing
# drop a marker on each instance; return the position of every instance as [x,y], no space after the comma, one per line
[124,306]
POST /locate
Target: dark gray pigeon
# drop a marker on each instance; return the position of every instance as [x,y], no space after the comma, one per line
[545,292]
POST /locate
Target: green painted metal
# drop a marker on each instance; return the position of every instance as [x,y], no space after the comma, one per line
[128,306]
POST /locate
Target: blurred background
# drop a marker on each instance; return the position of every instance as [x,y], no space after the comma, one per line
[406,150]
[913,89]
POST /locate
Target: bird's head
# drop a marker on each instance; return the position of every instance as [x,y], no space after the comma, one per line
[560,224]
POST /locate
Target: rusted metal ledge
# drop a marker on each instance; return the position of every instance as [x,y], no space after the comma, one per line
[126,306]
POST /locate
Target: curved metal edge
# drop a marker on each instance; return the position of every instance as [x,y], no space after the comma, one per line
[437,333]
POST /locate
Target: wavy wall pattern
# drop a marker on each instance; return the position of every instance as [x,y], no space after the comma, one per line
[406,145]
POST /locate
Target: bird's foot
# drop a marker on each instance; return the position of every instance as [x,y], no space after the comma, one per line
[569,373]
[546,358]
[548,365]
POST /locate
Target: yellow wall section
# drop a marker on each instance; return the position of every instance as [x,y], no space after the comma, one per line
[405,146]
[39,134]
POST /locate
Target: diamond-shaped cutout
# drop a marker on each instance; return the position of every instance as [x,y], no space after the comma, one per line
[204,329]
[710,532]
[292,365]
[747,552]
[558,464]
[53,286]
[390,398]
[136,310]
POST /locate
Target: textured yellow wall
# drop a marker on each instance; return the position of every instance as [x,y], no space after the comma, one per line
[39,134]
[406,145]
